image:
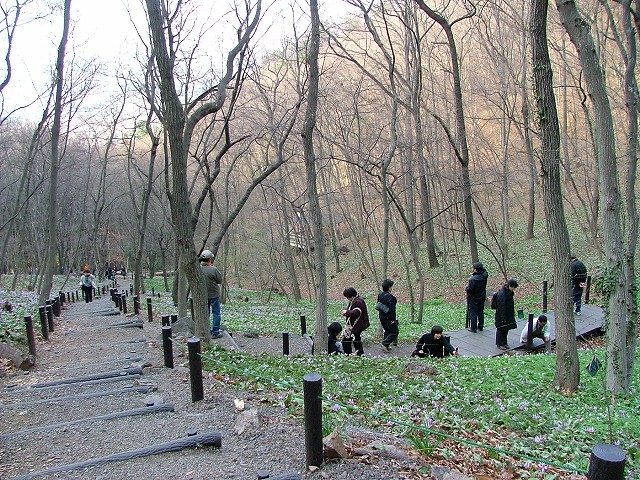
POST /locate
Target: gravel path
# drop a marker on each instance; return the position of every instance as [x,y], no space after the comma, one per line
[44,427]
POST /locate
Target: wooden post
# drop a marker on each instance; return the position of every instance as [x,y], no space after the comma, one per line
[44,324]
[303,325]
[136,304]
[123,298]
[174,317]
[587,290]
[50,315]
[28,321]
[313,419]
[195,369]
[529,332]
[606,462]
[545,286]
[149,310]
[285,343]
[165,320]
[167,346]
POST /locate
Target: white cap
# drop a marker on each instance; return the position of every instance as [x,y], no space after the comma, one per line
[206,255]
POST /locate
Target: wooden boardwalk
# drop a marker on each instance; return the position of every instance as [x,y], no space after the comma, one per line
[483,344]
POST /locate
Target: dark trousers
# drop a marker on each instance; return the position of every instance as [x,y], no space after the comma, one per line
[88,293]
[476,314]
[390,332]
[501,336]
[577,297]
[355,344]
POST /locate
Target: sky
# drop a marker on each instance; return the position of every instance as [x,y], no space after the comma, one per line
[103,29]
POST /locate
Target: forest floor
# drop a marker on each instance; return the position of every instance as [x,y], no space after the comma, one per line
[63,430]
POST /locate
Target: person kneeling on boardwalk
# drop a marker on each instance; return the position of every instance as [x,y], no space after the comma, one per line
[434,344]
[540,330]
[335,345]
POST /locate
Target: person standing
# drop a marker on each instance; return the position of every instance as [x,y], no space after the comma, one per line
[388,319]
[505,312]
[87,284]
[213,279]
[578,279]
[357,320]
[476,296]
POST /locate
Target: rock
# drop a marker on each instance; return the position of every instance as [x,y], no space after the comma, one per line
[419,368]
[247,420]
[334,446]
[16,358]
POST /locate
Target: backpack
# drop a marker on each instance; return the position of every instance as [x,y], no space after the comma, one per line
[494,301]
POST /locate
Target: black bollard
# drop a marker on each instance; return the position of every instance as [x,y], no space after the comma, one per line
[149,310]
[313,419]
[50,316]
[174,317]
[587,290]
[131,288]
[195,369]
[61,297]
[167,346]
[57,310]
[606,462]
[136,304]
[529,332]
[28,322]
[303,325]
[120,301]
[44,324]
[545,287]
[123,299]
[153,292]
[165,320]
[285,343]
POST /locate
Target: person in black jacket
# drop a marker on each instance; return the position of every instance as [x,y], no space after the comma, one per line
[578,279]
[434,344]
[505,313]
[388,319]
[476,296]
[334,346]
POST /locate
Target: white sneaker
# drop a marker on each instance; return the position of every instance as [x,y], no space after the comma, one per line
[578,313]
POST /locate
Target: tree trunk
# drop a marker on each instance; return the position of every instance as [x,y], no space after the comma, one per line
[615,274]
[52,213]
[567,376]
[310,167]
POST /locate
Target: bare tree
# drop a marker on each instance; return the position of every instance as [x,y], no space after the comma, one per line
[567,376]
[460,143]
[52,214]
[312,179]
[180,121]
[618,327]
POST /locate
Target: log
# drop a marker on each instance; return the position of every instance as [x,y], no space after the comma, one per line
[97,376]
[165,407]
[209,439]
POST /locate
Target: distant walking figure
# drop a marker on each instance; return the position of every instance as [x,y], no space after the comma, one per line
[87,284]
[578,279]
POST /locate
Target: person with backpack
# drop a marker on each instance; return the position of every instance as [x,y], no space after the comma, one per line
[502,303]
[387,315]
[578,279]
[87,284]
[476,296]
